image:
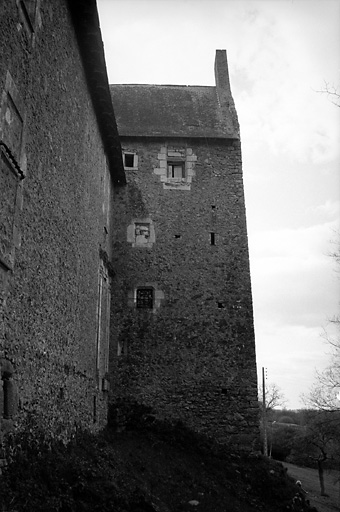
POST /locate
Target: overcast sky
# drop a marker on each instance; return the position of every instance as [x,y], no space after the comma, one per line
[280,53]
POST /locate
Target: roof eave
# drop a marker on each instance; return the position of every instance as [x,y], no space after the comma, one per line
[85,20]
[174,135]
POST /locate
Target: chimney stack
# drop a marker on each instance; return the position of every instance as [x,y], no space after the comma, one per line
[221,72]
[223,91]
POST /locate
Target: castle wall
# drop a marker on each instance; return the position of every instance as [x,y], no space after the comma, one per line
[190,357]
[54,230]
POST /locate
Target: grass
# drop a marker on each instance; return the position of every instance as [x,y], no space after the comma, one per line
[310,482]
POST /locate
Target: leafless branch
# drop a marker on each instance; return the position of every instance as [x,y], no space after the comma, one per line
[332,93]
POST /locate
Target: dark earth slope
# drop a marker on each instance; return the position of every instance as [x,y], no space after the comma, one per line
[150,467]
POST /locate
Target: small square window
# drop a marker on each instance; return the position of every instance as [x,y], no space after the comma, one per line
[130,160]
[144,298]
[176,170]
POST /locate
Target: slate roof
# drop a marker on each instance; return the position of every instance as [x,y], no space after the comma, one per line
[172,110]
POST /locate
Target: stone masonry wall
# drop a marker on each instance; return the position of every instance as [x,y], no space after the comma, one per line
[192,356]
[56,230]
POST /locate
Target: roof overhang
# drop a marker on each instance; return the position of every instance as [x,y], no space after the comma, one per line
[85,20]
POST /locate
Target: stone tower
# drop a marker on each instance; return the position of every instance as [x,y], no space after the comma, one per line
[182,336]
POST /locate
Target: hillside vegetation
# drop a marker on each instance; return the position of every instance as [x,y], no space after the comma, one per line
[153,467]
[310,481]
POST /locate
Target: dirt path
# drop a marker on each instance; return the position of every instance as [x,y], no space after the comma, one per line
[310,482]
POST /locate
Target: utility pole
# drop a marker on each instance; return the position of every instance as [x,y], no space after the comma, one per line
[264,415]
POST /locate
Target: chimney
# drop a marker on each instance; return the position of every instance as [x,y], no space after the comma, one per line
[221,72]
[225,100]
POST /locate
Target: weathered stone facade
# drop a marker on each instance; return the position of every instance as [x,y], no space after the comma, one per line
[60,160]
[170,246]
[182,339]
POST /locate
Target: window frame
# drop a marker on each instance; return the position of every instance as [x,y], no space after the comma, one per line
[151,305]
[171,164]
[134,161]
[140,225]
[103,325]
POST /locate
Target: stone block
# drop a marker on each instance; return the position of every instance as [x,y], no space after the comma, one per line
[158,171]
[191,158]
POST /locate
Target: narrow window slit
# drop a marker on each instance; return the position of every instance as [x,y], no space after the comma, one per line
[122,348]
[95,409]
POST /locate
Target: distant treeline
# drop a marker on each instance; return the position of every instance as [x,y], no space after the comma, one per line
[304,437]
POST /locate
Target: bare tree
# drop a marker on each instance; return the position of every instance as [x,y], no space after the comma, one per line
[325,393]
[269,398]
[332,93]
[323,425]
[319,440]
[274,396]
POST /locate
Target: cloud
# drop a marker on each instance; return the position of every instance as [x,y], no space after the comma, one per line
[277,102]
[329,209]
[283,115]
[302,242]
[293,279]
[291,354]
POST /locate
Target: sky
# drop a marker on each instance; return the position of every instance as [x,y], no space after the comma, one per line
[280,54]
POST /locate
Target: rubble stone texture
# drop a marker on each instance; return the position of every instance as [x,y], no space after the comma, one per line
[190,356]
[55,225]
[168,242]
